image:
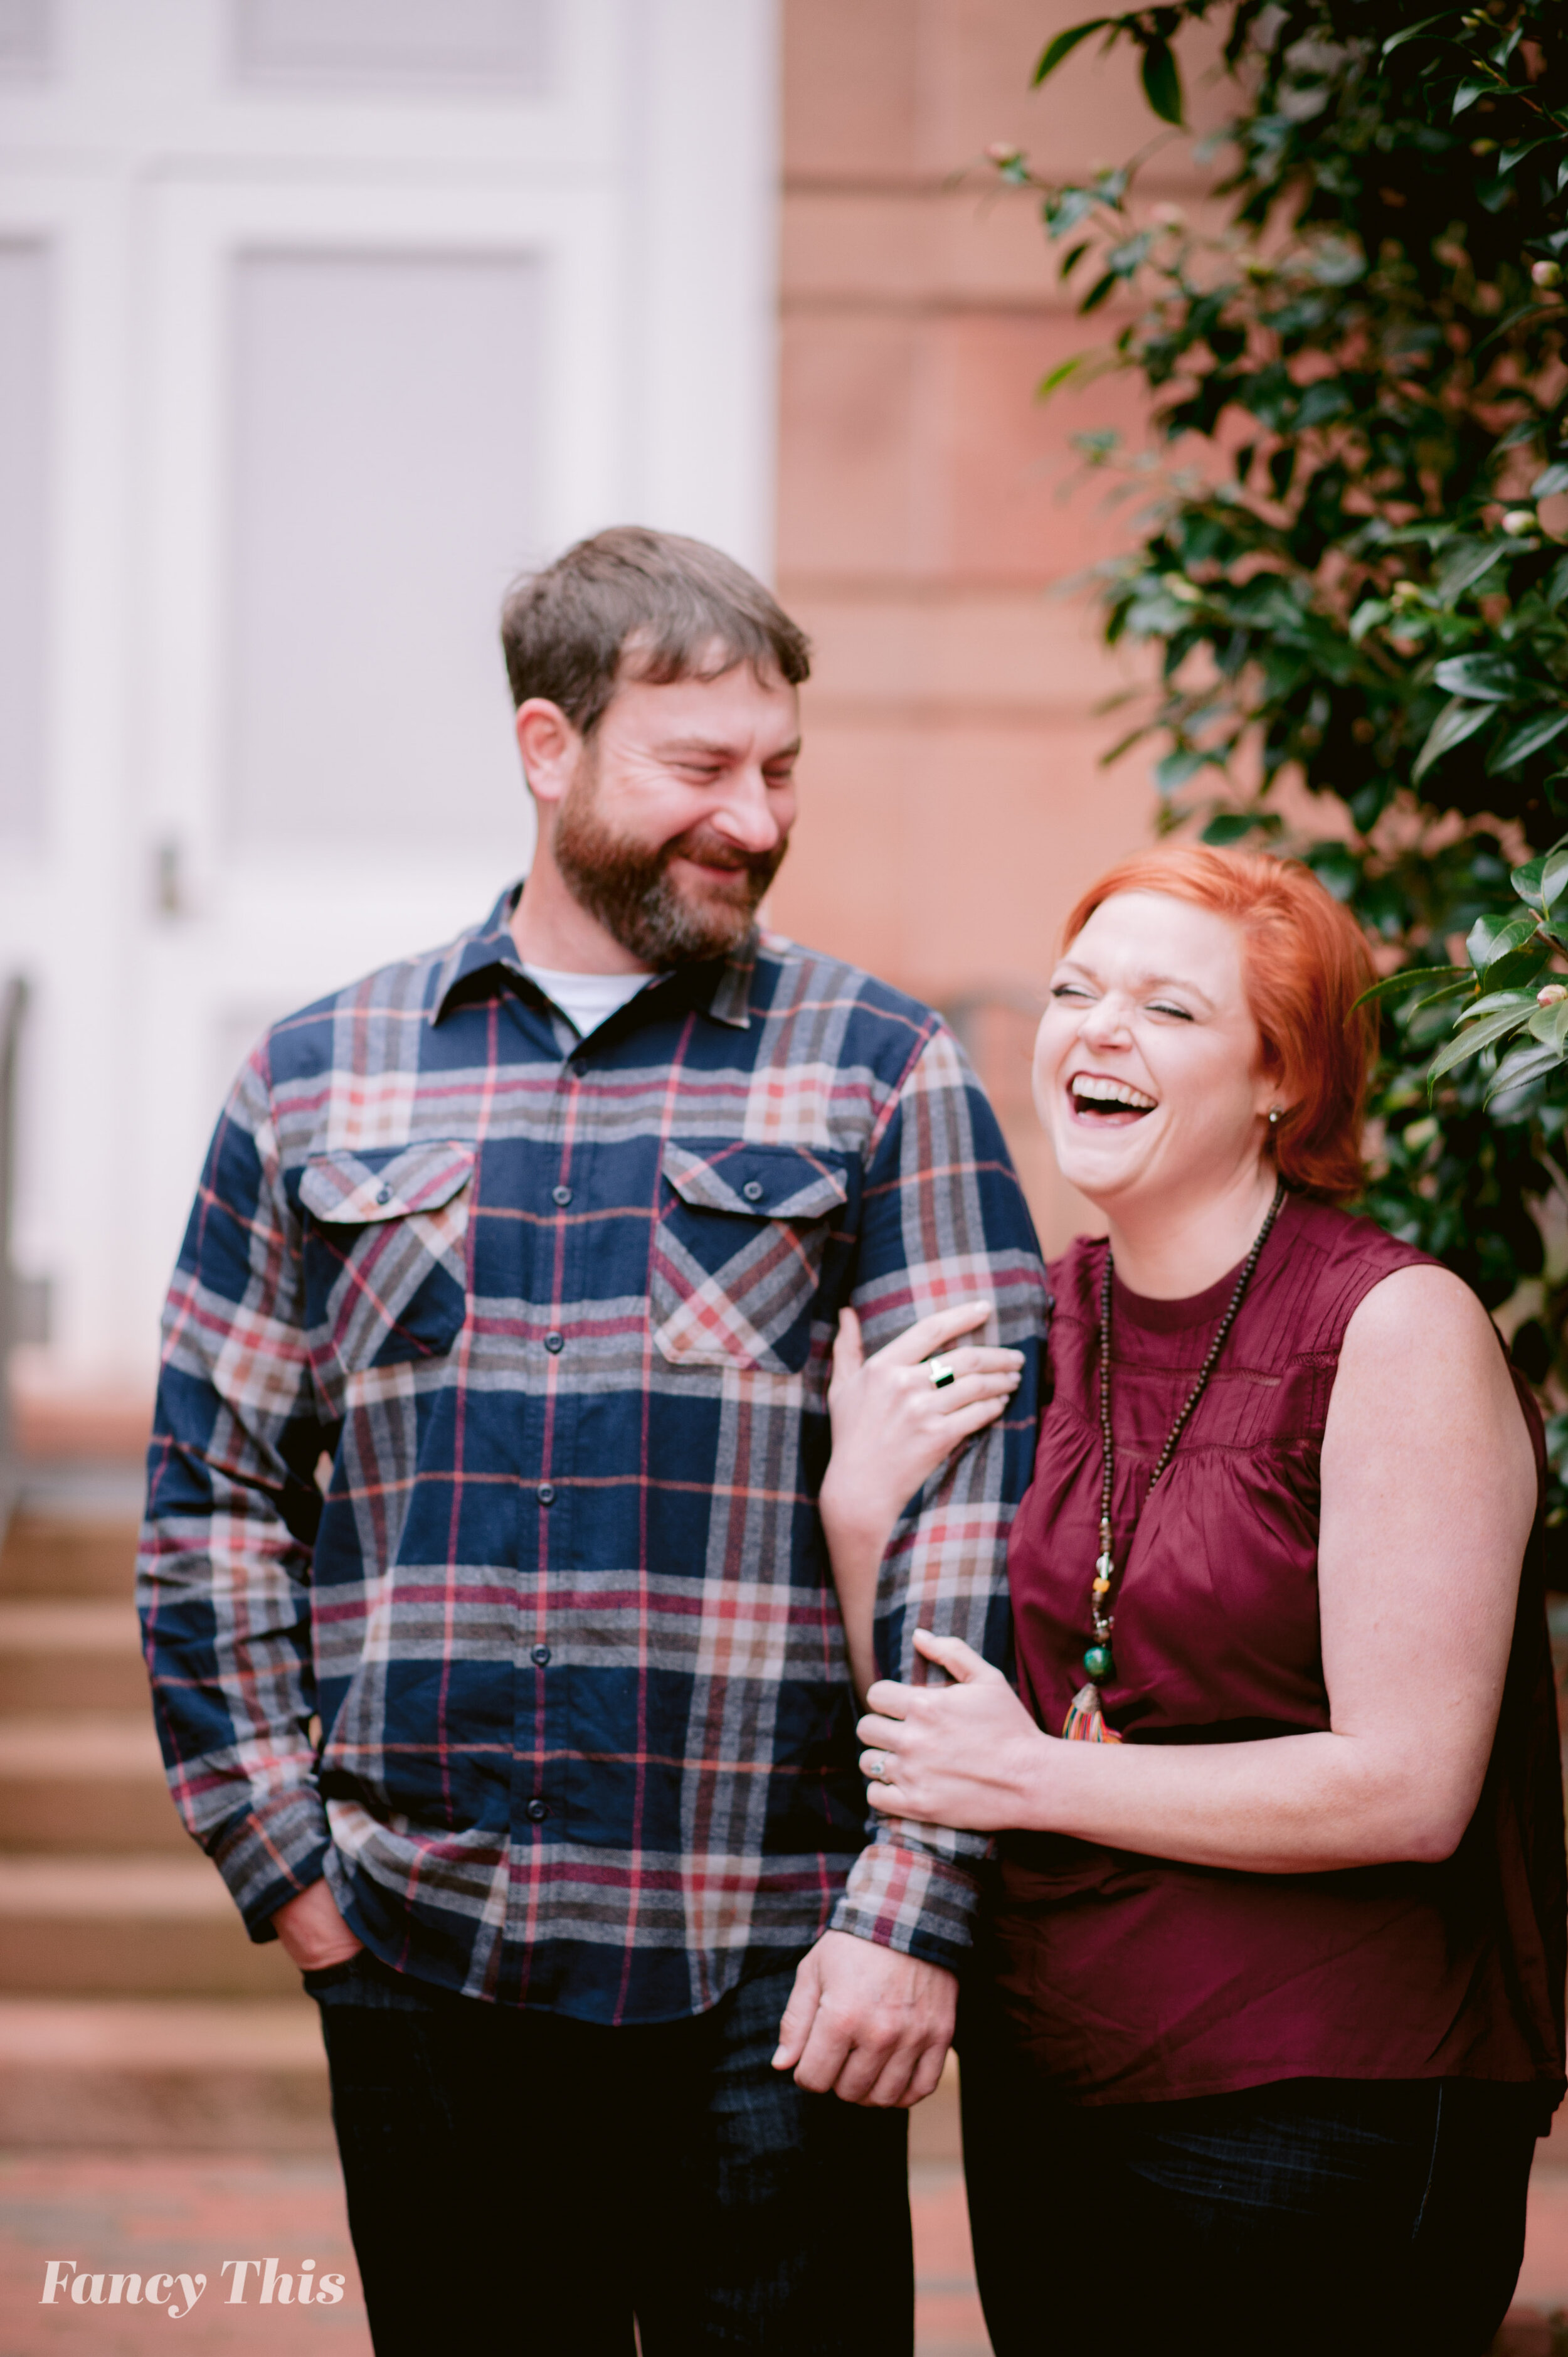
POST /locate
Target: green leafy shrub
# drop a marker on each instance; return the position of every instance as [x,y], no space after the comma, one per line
[1359,394]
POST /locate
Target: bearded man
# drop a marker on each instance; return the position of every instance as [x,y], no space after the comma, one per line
[496,1651]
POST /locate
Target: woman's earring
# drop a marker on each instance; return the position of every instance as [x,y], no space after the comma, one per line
[1273,1117]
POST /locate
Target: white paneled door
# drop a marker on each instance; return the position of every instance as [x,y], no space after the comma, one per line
[320,319]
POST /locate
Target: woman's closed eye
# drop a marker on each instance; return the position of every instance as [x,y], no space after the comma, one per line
[1164,1007]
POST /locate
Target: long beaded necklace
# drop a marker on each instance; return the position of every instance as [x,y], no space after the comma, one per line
[1085,1721]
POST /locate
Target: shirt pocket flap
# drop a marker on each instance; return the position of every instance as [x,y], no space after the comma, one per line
[759,1182]
[391,1184]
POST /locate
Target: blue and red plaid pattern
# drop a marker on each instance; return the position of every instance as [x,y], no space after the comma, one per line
[482,1570]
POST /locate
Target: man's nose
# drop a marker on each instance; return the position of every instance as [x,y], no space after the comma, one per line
[746,816]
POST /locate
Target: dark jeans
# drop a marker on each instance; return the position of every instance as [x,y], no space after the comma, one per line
[520,2182]
[1364,2219]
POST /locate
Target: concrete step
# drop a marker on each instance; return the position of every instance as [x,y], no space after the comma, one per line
[85,1781]
[129,1926]
[246,2076]
[84,1654]
[58,1554]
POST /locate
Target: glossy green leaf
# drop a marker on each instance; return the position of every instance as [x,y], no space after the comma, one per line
[1530,737]
[1519,966]
[1491,938]
[1053,379]
[1394,985]
[1521,1068]
[1465,563]
[1526,880]
[1496,1000]
[1456,721]
[1161,82]
[1554,874]
[1495,678]
[1441,998]
[1411,33]
[1475,1036]
[1549,1024]
[1064,45]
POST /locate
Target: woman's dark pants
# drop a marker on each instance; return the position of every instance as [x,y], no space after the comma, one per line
[1312,2218]
[520,2182]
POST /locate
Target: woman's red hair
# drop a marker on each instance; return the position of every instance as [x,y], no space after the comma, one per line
[1306,962]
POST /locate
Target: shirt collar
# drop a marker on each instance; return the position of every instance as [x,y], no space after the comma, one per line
[720,986]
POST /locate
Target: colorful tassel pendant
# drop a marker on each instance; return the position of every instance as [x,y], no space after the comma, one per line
[1085,1721]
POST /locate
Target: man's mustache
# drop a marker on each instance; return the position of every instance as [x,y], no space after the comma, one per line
[711,851]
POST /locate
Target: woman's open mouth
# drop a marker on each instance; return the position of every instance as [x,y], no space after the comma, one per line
[1108,1103]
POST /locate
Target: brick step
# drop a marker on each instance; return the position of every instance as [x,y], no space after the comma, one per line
[246,2076]
[85,1781]
[236,2076]
[58,1553]
[135,1926]
[84,1654]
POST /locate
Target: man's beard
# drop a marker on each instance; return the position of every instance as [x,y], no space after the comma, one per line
[628,887]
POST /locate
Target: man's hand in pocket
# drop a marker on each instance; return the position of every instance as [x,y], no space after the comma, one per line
[312,1931]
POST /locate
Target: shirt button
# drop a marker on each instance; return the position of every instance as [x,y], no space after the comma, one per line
[562,1195]
[383,1194]
[541,1657]
[537,1811]
[554,1342]
[545,1493]
[752,1190]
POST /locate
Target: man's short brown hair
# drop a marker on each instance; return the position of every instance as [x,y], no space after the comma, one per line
[631,603]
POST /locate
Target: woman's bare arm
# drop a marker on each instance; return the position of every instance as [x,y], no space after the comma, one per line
[891,1431]
[1429,1492]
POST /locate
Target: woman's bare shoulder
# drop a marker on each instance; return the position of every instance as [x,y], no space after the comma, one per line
[1417,1309]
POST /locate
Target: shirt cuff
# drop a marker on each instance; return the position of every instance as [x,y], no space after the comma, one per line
[272,1854]
[910,1899]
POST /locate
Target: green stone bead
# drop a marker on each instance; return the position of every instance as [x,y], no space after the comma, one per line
[1098,1663]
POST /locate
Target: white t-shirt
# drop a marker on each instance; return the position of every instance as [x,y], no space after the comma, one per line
[587,999]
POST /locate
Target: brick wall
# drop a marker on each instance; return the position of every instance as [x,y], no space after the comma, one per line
[954,804]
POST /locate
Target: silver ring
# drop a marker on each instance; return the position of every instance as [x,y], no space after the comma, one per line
[883,1772]
[942,1372]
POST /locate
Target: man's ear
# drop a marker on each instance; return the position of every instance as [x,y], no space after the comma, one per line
[550,745]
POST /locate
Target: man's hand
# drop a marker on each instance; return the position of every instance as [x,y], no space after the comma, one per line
[312,1931]
[869,2023]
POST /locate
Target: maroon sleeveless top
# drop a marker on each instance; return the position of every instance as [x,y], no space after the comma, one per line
[1129,1978]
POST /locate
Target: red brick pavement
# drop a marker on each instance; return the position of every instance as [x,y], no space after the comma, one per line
[167,2213]
[161,2214]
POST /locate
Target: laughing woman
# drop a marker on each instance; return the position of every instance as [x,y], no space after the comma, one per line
[1267,2012]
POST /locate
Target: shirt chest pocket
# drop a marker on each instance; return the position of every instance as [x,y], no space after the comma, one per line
[385,1254]
[737,1254]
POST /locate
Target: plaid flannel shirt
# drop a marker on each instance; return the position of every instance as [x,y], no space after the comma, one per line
[482,1570]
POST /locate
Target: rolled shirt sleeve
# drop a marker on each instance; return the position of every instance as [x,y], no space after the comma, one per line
[224,1571]
[945,1221]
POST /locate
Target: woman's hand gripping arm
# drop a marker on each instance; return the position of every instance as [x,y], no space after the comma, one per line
[1429,1489]
[892,1427]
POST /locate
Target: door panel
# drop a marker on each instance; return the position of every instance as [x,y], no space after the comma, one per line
[385,458]
[499,46]
[26,350]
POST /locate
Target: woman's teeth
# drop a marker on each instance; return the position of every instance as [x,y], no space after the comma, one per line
[1092,1094]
